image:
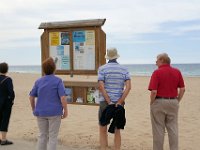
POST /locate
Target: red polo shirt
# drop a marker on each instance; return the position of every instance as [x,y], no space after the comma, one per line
[166,80]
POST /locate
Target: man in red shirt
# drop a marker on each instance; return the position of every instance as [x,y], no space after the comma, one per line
[167,89]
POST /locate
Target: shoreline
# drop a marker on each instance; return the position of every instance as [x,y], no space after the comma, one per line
[188,70]
[36,73]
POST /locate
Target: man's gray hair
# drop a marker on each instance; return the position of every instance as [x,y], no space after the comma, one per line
[164,58]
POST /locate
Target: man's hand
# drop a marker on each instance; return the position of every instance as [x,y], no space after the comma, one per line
[110,103]
[151,102]
[153,96]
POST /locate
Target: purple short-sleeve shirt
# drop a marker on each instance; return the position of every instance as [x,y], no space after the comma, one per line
[48,90]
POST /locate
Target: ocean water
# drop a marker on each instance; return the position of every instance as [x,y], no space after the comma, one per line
[26,69]
[190,70]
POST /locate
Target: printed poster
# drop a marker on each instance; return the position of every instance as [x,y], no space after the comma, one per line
[64,38]
[90,37]
[65,62]
[54,38]
[60,50]
[79,36]
[68,93]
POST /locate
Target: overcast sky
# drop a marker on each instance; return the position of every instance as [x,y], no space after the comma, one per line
[139,29]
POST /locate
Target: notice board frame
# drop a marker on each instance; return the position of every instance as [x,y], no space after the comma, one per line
[70,27]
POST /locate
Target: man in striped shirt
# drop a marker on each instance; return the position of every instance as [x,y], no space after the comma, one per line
[114,84]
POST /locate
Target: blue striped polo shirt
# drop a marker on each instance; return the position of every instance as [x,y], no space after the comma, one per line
[114,76]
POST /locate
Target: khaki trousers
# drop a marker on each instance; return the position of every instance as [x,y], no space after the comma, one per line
[164,114]
[48,128]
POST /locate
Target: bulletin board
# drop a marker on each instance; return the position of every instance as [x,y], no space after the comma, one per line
[77,47]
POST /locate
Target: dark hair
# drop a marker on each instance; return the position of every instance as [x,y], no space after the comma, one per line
[3,67]
[48,66]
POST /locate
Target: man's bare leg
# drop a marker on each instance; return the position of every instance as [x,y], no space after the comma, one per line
[103,137]
[117,139]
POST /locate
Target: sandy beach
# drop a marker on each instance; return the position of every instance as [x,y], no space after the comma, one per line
[80,130]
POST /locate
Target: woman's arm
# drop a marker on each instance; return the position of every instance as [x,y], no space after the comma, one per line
[32,102]
[11,93]
[64,105]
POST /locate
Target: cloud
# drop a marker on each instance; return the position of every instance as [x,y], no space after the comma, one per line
[132,17]
[127,21]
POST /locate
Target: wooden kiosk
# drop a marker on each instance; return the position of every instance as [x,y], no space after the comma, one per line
[78,48]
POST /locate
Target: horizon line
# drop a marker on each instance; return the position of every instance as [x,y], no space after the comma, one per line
[120,63]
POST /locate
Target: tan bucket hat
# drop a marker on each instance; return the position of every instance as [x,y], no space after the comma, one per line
[111,54]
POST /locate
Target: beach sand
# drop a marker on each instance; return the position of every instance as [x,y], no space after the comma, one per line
[80,130]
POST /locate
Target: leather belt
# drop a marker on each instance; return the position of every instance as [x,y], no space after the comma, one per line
[159,97]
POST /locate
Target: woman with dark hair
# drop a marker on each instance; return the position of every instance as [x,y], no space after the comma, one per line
[50,107]
[7,97]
